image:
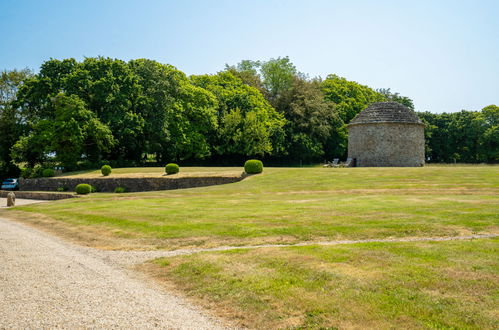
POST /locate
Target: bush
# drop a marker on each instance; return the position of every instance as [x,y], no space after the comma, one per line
[119,190]
[253,166]
[36,172]
[172,168]
[106,170]
[61,189]
[25,172]
[83,189]
[48,172]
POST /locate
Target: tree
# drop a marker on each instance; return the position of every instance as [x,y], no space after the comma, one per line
[248,72]
[489,141]
[350,97]
[277,76]
[178,116]
[248,125]
[396,97]
[11,123]
[74,134]
[109,89]
[313,125]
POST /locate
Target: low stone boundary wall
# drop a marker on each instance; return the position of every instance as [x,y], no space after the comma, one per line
[48,196]
[130,184]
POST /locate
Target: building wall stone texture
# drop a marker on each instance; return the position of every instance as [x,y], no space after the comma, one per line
[386,134]
[386,144]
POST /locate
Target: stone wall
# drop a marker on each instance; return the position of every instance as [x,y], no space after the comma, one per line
[130,184]
[50,196]
[386,144]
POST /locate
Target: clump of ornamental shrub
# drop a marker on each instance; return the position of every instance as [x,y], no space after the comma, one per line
[61,189]
[172,168]
[48,172]
[253,166]
[106,170]
[120,190]
[83,189]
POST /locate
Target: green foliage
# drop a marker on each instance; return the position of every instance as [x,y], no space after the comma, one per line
[278,75]
[172,168]
[48,172]
[106,170]
[253,166]
[62,189]
[119,190]
[178,116]
[350,97]
[313,125]
[32,172]
[465,136]
[83,189]
[11,123]
[247,124]
[396,97]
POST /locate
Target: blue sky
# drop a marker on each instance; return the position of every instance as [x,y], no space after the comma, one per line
[442,54]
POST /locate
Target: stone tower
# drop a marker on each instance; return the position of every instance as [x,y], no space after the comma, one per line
[386,134]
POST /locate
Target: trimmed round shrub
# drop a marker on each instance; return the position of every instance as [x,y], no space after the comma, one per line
[172,168]
[106,170]
[48,172]
[253,166]
[119,190]
[83,189]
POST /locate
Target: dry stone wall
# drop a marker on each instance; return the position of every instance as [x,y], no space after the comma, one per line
[130,184]
[50,196]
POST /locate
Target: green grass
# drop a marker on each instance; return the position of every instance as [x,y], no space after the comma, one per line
[444,285]
[288,205]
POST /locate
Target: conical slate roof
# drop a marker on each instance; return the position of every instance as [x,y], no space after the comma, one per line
[386,112]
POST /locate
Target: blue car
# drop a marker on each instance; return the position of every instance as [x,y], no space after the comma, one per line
[10,184]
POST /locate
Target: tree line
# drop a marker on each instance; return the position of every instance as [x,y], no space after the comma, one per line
[102,110]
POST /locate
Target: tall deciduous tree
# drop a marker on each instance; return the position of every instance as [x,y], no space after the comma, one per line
[350,97]
[11,123]
[73,134]
[396,97]
[248,124]
[178,116]
[313,126]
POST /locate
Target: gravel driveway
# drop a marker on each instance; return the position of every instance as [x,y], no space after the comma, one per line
[48,283]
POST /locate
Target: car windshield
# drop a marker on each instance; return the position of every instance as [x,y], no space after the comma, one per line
[9,180]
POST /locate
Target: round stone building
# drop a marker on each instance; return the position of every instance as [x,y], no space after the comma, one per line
[386,134]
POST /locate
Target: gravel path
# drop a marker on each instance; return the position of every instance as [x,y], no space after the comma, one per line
[47,283]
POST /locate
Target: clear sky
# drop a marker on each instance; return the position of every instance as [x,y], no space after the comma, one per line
[442,54]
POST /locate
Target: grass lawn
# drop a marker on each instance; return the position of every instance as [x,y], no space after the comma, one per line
[286,205]
[452,285]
